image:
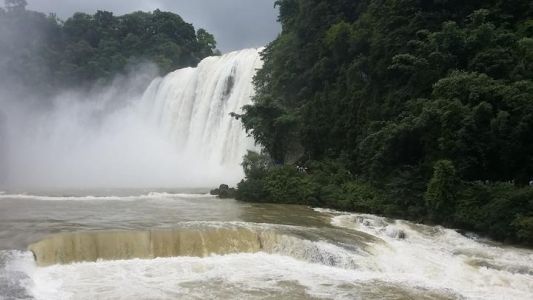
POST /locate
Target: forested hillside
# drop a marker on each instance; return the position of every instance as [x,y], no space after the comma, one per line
[45,53]
[420,109]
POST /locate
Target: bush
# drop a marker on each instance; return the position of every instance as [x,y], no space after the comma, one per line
[500,210]
[441,192]
[256,165]
[224,192]
[252,190]
[524,229]
[363,197]
[287,185]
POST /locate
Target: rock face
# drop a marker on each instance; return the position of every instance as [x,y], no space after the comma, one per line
[395,233]
[224,192]
[401,235]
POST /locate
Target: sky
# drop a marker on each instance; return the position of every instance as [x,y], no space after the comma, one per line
[236,24]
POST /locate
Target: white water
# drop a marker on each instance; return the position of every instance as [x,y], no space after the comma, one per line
[148,196]
[193,106]
[445,258]
[180,132]
[360,257]
[236,276]
[176,133]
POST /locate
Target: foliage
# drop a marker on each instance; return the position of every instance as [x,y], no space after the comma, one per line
[39,51]
[223,192]
[441,192]
[419,100]
[323,184]
[524,228]
[286,185]
[499,210]
[256,165]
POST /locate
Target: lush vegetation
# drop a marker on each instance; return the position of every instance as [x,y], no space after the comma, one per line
[45,53]
[223,192]
[419,109]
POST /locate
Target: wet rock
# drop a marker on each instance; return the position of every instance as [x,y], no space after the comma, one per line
[224,192]
[395,233]
[402,235]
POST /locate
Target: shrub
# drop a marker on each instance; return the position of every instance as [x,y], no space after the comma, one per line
[441,191]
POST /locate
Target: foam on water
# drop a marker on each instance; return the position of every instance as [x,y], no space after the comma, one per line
[16,269]
[361,257]
[445,258]
[148,196]
[245,276]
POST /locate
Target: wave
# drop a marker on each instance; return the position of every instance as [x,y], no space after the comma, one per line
[201,239]
[477,269]
[242,275]
[148,196]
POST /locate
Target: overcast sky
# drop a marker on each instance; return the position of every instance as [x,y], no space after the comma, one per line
[236,24]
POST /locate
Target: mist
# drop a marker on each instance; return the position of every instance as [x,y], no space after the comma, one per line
[93,139]
[74,124]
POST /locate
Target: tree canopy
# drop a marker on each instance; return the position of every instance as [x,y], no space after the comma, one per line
[394,88]
[41,51]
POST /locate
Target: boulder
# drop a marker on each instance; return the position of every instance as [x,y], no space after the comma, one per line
[224,192]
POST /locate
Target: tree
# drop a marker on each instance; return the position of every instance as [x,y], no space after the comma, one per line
[255,165]
[206,42]
[441,191]
[42,52]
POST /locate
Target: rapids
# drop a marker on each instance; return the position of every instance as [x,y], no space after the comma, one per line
[184,244]
[170,244]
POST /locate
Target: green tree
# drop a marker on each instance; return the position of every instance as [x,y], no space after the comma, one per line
[206,42]
[42,52]
[441,191]
[392,87]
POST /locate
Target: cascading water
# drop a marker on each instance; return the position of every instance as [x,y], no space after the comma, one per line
[193,105]
[169,244]
[181,246]
[174,131]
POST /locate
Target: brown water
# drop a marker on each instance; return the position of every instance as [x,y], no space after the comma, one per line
[138,244]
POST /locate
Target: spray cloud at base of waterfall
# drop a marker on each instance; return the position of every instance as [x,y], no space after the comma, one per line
[175,131]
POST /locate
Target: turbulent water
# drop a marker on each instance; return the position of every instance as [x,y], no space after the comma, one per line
[174,131]
[193,107]
[170,245]
[184,244]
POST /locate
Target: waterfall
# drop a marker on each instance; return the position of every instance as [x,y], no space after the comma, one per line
[203,240]
[174,131]
[192,107]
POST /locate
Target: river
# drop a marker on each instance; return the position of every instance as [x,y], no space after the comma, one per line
[168,244]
